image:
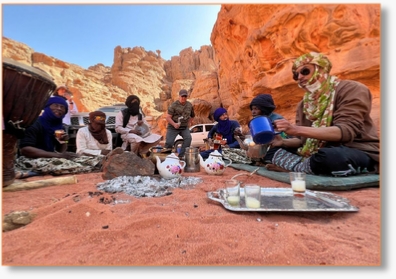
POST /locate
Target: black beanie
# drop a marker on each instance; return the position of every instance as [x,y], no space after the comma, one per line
[264,102]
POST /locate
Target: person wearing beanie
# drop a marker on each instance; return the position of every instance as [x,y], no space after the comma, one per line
[94,139]
[64,92]
[263,104]
[134,130]
[180,116]
[40,140]
[225,128]
[333,133]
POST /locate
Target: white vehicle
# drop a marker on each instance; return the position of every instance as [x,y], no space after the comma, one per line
[198,132]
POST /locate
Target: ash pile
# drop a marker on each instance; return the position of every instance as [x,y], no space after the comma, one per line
[146,186]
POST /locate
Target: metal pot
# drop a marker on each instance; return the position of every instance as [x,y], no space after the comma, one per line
[192,160]
[157,151]
[257,151]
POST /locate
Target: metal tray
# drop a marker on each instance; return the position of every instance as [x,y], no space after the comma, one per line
[283,199]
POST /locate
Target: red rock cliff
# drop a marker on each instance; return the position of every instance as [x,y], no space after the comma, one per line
[255,46]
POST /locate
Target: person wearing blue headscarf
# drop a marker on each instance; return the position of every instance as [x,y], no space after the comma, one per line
[224,127]
[40,140]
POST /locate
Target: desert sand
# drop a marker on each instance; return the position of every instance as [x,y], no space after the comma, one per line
[77,225]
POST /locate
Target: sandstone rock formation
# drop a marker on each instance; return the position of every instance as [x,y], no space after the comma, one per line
[255,46]
[253,49]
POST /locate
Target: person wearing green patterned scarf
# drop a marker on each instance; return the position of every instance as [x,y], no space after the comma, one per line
[318,100]
[334,133]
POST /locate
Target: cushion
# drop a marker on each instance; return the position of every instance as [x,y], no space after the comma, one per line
[318,182]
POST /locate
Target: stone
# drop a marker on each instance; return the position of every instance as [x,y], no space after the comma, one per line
[16,220]
[124,163]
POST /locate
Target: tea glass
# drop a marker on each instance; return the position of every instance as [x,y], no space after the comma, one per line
[252,196]
[297,180]
[232,191]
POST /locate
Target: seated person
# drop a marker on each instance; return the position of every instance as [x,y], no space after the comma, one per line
[226,128]
[94,139]
[334,133]
[134,129]
[263,105]
[63,91]
[40,140]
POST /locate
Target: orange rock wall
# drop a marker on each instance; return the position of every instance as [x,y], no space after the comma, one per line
[255,46]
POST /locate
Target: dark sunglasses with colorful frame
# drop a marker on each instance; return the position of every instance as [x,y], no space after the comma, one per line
[304,72]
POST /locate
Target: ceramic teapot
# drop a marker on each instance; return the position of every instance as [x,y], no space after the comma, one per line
[171,167]
[214,164]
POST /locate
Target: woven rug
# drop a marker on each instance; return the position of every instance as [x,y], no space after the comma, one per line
[318,182]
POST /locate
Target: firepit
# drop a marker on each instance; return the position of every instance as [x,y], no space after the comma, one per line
[146,186]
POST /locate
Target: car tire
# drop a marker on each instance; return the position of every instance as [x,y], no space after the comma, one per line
[178,144]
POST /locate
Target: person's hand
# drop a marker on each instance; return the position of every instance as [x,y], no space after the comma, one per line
[63,139]
[283,125]
[105,151]
[138,132]
[202,148]
[277,141]
[135,131]
[177,125]
[140,122]
[69,155]
[238,132]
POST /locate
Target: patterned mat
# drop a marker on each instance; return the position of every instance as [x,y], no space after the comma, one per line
[317,182]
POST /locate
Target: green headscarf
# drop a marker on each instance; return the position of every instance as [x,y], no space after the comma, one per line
[318,103]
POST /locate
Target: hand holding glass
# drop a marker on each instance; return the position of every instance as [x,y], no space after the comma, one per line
[59,134]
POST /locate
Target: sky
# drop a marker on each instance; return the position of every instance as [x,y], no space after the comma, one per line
[87,34]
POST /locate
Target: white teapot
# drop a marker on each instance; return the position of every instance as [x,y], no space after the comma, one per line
[214,164]
[171,167]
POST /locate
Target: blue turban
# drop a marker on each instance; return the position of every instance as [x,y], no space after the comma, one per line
[57,100]
[51,122]
[219,112]
[223,126]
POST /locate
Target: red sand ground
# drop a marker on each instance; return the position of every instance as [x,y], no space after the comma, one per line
[186,228]
[73,228]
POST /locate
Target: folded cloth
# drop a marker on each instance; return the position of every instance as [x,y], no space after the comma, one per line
[59,166]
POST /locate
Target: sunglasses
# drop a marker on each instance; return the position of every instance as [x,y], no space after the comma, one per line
[304,72]
[183,96]
[100,118]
